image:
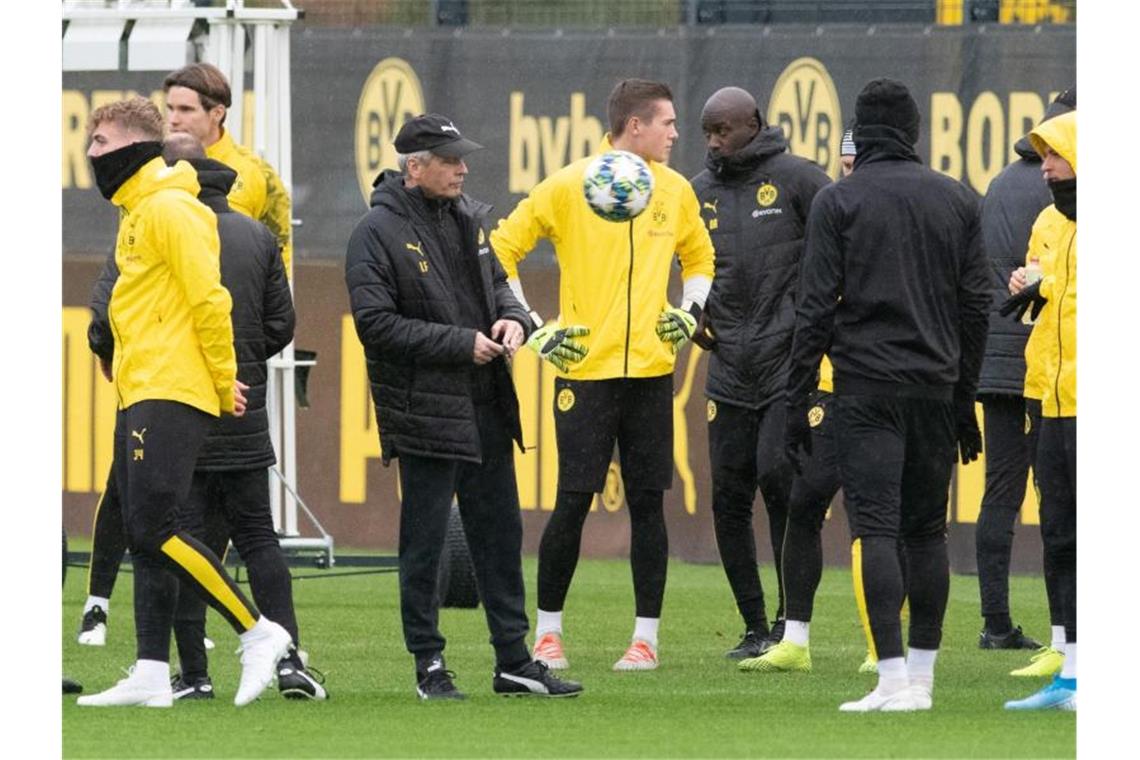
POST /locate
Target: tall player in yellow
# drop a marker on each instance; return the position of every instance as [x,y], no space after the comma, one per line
[614,345]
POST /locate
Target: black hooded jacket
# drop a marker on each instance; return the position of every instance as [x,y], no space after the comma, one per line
[1014,199]
[894,284]
[755,204]
[420,360]
[262,315]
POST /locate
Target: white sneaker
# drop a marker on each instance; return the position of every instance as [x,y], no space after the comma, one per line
[207,642]
[262,647]
[905,700]
[131,692]
[923,689]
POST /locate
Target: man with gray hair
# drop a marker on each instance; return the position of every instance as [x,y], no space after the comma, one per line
[438,323]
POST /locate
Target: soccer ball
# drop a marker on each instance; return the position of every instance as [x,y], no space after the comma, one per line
[617,185]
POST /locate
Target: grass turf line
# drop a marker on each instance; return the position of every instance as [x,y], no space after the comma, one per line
[696,705]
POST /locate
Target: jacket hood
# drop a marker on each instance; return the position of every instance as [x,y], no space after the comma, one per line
[768,141]
[155,175]
[216,180]
[1060,134]
[1023,147]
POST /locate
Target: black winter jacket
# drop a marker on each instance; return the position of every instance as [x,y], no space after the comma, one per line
[1014,199]
[262,315]
[755,204]
[420,362]
[894,285]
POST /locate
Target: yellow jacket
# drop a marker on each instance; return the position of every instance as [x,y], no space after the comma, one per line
[258,192]
[1051,353]
[613,275]
[169,313]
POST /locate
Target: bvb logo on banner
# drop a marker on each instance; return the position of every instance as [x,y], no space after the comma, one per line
[805,104]
[391,95]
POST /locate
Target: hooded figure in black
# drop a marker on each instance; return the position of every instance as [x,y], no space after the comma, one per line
[754,197]
[438,324]
[1014,199]
[895,288]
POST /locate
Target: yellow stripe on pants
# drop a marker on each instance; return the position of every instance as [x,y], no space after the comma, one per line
[94,522]
[860,596]
[208,577]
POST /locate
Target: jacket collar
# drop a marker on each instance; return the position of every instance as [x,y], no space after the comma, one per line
[878,142]
[389,192]
[766,142]
[153,176]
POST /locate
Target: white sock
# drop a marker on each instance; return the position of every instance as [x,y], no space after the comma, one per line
[259,629]
[796,631]
[1069,669]
[1058,636]
[920,663]
[646,629]
[892,675]
[152,672]
[548,622]
[92,601]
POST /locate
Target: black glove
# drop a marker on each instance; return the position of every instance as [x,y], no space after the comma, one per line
[969,436]
[1028,297]
[797,435]
[703,336]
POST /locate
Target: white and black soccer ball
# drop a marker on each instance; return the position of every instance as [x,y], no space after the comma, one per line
[618,185]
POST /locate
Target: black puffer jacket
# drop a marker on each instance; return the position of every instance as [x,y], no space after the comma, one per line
[420,362]
[262,316]
[1014,199]
[894,285]
[755,204]
[263,321]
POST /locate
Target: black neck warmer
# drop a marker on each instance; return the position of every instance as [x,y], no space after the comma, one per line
[1065,196]
[114,168]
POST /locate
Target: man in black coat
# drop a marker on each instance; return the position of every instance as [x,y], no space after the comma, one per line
[895,288]
[439,324]
[754,199]
[1014,199]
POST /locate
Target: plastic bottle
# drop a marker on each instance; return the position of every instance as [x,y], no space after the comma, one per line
[1032,276]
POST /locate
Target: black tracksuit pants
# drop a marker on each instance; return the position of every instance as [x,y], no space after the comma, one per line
[1057,478]
[746,450]
[895,459]
[812,492]
[108,540]
[489,506]
[156,445]
[234,504]
[1012,427]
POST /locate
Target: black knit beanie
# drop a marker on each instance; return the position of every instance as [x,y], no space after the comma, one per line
[887,102]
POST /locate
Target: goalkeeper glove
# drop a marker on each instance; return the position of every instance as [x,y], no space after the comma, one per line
[557,345]
[1028,297]
[968,434]
[704,336]
[675,326]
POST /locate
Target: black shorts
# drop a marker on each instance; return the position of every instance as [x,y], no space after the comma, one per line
[636,412]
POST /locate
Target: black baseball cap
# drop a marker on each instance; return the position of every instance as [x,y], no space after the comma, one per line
[430,131]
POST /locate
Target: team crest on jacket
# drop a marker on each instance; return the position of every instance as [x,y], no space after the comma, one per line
[713,222]
[565,400]
[710,410]
[815,416]
[767,194]
[659,215]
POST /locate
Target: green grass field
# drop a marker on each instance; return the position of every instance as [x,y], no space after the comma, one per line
[696,705]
